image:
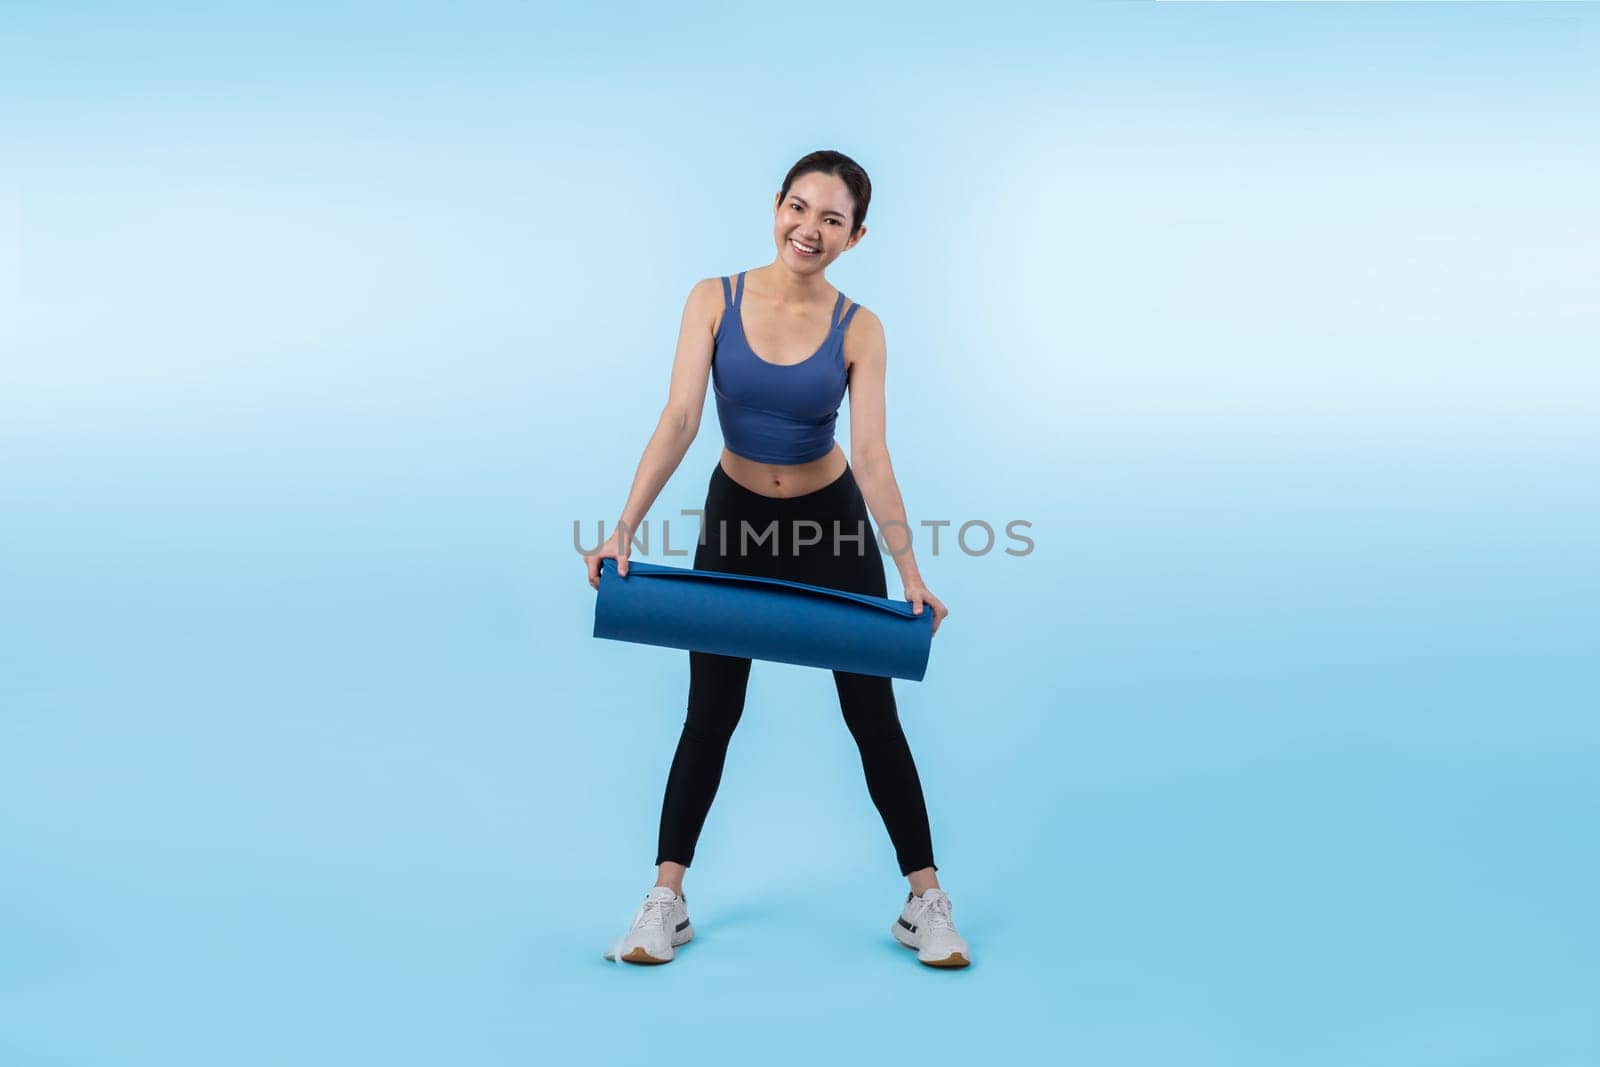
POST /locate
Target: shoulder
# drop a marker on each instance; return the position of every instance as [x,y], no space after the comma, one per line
[863,320]
[704,303]
[864,330]
[863,339]
[706,290]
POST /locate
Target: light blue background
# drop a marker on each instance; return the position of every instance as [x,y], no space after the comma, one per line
[321,325]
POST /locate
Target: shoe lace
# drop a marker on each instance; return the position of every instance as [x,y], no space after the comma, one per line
[654,912]
[936,914]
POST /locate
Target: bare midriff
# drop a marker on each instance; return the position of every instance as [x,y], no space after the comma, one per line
[785,479]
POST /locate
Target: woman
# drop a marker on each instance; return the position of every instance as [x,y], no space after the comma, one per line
[783,502]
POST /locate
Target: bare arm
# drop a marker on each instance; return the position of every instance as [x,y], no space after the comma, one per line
[679,422]
[869,449]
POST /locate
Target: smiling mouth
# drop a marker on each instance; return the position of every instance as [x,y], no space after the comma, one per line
[804,250]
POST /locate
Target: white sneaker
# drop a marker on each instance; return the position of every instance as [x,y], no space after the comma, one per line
[925,924]
[659,926]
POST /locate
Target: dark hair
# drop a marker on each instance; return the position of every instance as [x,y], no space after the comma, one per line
[840,166]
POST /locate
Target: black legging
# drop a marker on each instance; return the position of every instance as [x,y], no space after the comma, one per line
[736,516]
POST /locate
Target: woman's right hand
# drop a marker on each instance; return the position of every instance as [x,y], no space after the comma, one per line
[615,547]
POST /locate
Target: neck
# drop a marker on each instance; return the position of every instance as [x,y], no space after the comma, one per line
[794,288]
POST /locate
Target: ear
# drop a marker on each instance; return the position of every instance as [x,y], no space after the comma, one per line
[860,233]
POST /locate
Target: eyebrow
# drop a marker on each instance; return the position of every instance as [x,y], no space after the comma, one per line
[793,196]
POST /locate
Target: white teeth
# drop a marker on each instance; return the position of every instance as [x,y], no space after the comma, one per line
[804,248]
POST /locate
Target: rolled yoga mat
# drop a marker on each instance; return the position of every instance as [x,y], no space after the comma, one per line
[763,618]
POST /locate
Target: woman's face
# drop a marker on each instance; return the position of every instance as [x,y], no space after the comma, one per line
[811,223]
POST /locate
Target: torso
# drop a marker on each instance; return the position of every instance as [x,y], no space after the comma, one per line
[784,337]
[785,479]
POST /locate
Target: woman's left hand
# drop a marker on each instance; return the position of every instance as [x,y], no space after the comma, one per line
[919,594]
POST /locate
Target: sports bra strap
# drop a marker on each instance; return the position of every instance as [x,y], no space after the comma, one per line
[732,297]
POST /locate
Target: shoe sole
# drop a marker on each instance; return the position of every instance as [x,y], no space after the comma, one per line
[955,959]
[637,954]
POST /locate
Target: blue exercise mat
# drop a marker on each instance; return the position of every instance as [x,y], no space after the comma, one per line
[763,618]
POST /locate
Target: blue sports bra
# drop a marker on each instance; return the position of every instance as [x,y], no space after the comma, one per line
[777,412]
